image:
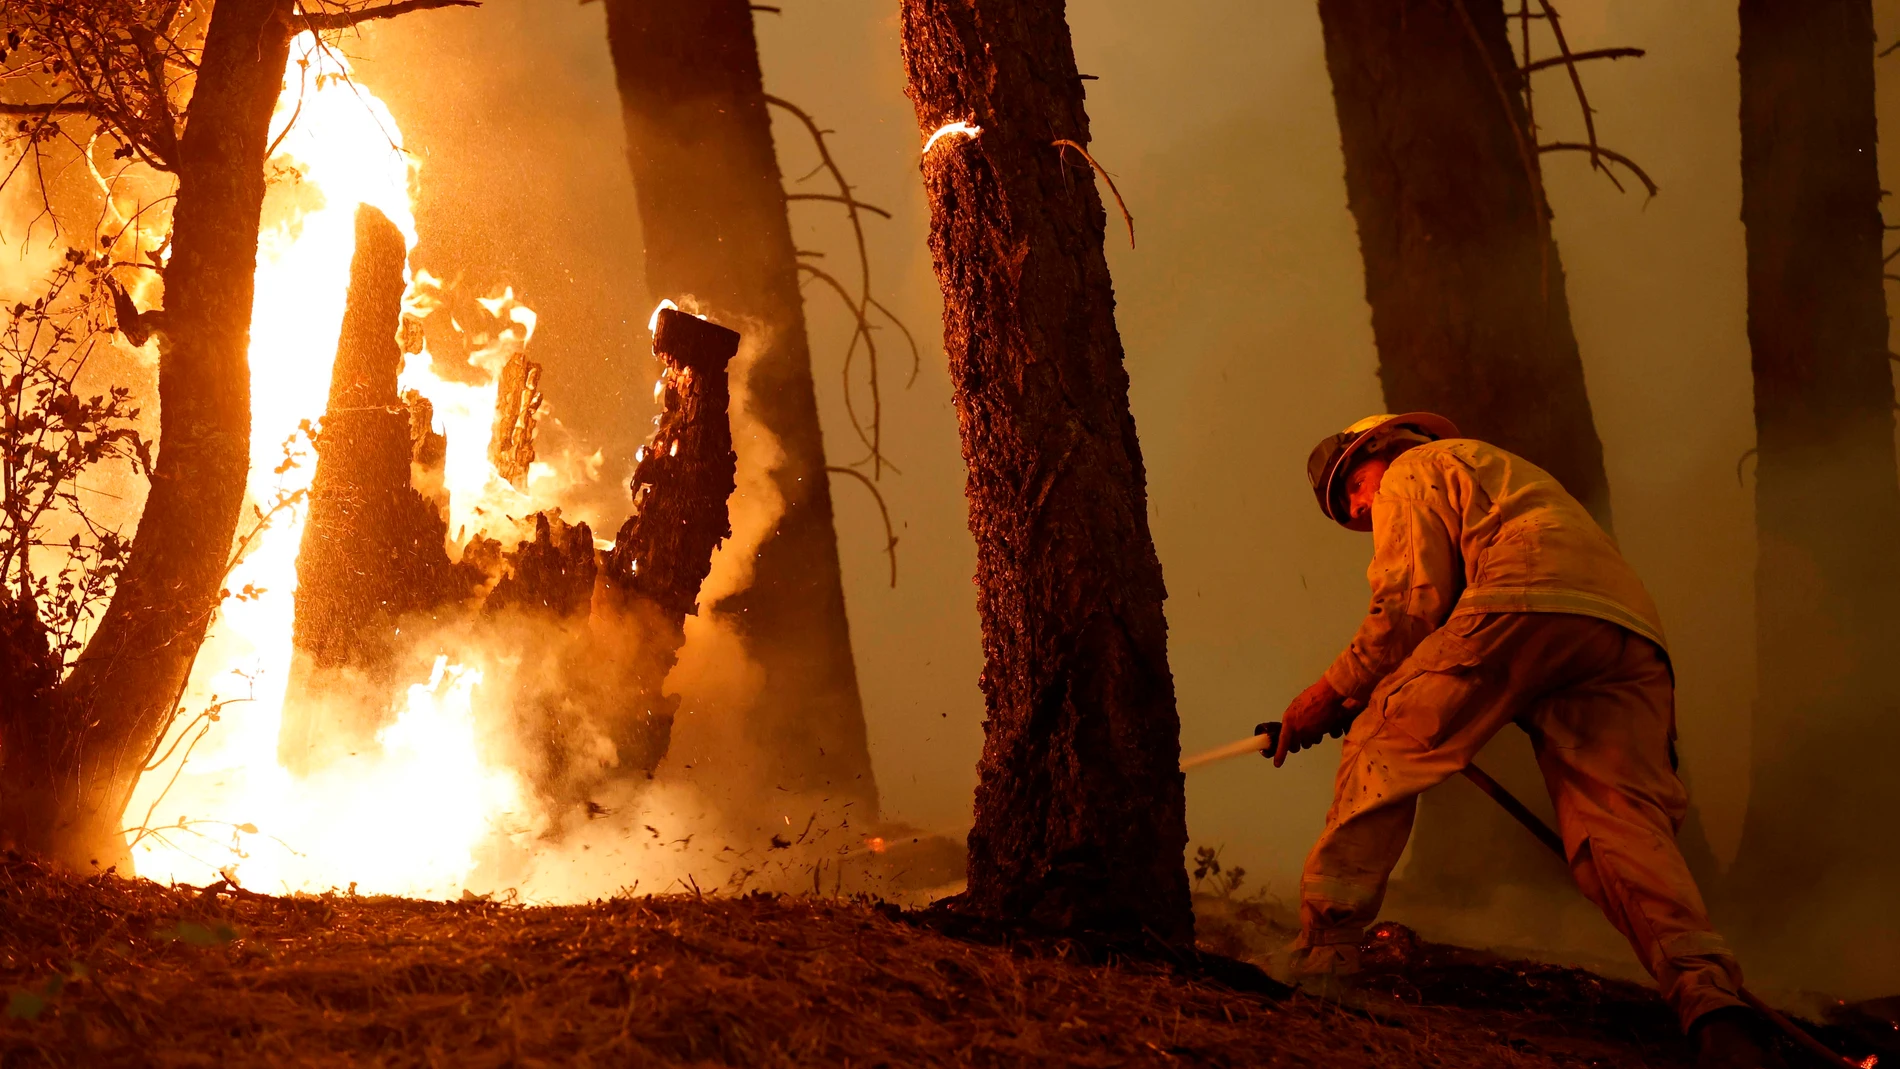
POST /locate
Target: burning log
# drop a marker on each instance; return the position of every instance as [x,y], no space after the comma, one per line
[373,549]
[517,411]
[663,552]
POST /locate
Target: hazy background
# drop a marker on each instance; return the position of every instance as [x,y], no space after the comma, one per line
[1242,312]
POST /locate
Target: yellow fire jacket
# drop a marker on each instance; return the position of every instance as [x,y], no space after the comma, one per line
[1460,528]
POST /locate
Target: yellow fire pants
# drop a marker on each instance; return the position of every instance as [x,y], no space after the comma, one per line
[1599,704]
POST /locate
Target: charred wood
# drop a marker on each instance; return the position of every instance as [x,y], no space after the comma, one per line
[517,412]
[553,574]
[428,453]
[663,552]
[713,215]
[685,472]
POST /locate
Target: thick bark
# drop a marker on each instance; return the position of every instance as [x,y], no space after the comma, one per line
[71,763]
[1827,495]
[1079,817]
[1468,310]
[712,207]
[373,549]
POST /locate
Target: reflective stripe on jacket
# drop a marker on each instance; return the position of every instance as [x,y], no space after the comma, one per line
[1460,527]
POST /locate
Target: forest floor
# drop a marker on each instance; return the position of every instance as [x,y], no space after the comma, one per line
[107,971]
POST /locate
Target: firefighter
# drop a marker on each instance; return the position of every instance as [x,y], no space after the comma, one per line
[1497,599]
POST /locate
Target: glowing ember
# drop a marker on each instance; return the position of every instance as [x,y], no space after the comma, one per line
[653,321]
[963,129]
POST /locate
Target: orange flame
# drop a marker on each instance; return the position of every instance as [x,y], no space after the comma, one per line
[412,817]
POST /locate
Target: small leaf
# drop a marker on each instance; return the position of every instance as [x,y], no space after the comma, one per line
[247,828]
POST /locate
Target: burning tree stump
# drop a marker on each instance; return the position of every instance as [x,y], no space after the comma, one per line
[664,551]
[373,549]
[1080,813]
[713,216]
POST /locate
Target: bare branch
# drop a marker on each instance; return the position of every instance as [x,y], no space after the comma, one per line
[1611,155]
[872,208]
[1597,152]
[861,306]
[343,20]
[44,110]
[1103,171]
[1578,57]
[862,330]
[890,535]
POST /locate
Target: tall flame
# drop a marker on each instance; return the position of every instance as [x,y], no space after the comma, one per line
[411,817]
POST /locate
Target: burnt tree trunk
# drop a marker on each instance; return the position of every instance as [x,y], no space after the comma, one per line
[712,206]
[1080,818]
[1824,798]
[72,762]
[663,552]
[1468,312]
[373,548]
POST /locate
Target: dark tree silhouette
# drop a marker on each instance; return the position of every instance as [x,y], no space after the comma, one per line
[1079,817]
[1468,308]
[713,212]
[1827,494]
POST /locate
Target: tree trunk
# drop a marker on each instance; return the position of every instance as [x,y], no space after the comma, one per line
[1827,494]
[1468,312]
[713,211]
[1080,818]
[71,764]
[1464,280]
[373,548]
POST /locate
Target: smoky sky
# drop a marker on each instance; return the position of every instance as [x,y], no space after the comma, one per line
[1243,316]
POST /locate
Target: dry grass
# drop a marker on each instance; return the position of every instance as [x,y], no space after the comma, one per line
[107,971]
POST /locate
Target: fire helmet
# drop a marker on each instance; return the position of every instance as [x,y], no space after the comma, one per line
[1334,457]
